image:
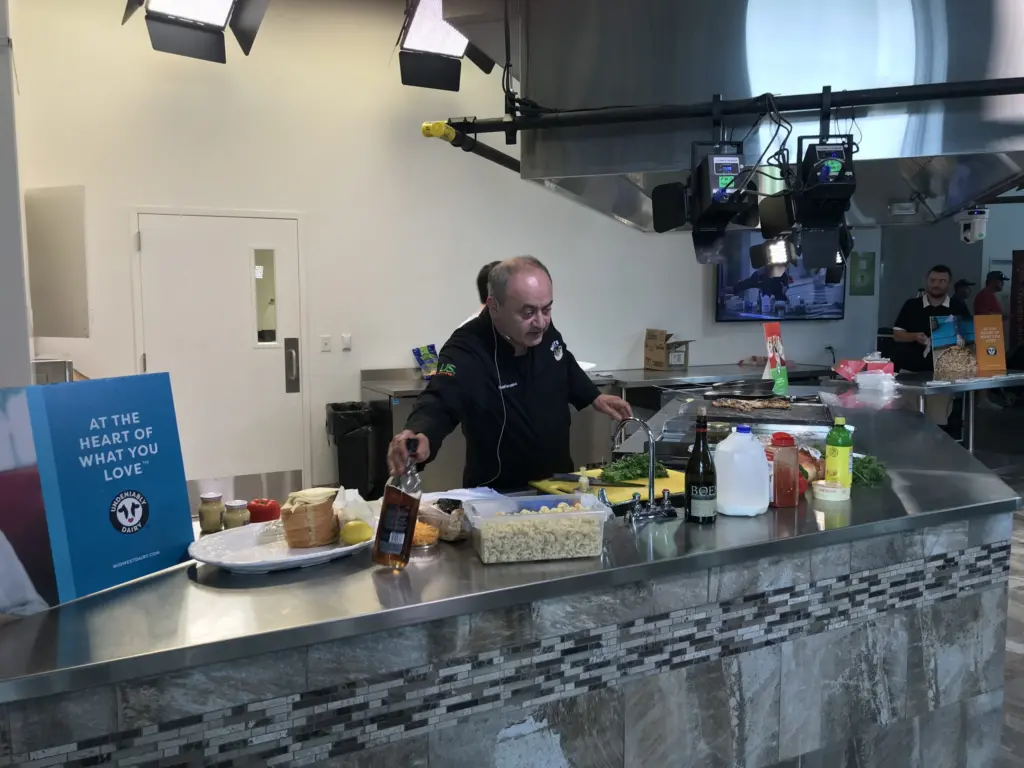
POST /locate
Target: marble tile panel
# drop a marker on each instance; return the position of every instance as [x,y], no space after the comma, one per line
[62,719]
[408,753]
[942,539]
[470,634]
[1012,736]
[956,650]
[943,734]
[828,562]
[674,593]
[210,688]
[589,610]
[989,529]
[731,581]
[897,746]
[1015,633]
[983,717]
[5,733]
[717,714]
[586,730]
[837,684]
[881,551]
[357,658]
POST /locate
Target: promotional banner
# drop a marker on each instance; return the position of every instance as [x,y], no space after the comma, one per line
[92,487]
[990,348]
[952,347]
[776,367]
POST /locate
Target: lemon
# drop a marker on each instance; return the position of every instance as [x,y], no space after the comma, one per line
[355,532]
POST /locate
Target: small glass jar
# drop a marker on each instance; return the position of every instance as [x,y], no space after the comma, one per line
[211,512]
[236,514]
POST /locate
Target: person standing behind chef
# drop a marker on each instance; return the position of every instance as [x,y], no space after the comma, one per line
[481,288]
[913,330]
[508,379]
[962,290]
[987,301]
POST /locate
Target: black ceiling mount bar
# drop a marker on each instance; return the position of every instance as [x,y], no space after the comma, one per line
[441,130]
[807,102]
[825,121]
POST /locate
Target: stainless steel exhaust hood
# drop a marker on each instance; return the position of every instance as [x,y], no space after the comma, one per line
[917,162]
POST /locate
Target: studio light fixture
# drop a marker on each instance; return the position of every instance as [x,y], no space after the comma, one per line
[195,28]
[432,49]
[774,253]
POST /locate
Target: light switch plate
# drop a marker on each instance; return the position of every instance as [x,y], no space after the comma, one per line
[325,343]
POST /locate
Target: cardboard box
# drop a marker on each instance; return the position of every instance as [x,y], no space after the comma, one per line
[662,350]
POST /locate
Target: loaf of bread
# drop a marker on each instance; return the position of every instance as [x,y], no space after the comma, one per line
[308,519]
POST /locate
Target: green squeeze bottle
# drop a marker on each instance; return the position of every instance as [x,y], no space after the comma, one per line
[839,454]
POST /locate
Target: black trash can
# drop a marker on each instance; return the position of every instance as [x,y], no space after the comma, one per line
[350,428]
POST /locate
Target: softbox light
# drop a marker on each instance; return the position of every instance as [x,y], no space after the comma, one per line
[432,49]
[195,28]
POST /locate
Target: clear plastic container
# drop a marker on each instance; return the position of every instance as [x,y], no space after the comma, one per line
[742,470]
[528,528]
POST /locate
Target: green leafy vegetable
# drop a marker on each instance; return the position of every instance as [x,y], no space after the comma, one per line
[869,471]
[633,467]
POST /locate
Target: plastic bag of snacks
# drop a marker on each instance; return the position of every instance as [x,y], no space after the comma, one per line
[452,518]
[426,359]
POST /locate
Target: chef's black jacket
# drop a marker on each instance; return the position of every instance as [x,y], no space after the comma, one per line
[535,391]
[915,317]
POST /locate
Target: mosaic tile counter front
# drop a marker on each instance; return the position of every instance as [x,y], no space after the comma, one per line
[883,652]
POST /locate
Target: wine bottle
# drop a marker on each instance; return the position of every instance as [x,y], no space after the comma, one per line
[701,481]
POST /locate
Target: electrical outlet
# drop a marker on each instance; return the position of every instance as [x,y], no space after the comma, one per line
[346,341]
[325,343]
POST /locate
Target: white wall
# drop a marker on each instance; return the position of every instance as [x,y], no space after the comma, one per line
[395,227]
[1005,232]
[15,367]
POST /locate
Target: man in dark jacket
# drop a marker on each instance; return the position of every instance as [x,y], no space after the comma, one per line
[508,379]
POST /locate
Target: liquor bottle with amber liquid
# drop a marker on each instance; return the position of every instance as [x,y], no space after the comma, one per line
[701,480]
[398,511]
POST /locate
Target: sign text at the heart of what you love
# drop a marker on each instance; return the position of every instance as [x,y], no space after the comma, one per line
[118,444]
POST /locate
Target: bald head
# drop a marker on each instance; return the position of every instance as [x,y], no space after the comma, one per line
[503,272]
[520,299]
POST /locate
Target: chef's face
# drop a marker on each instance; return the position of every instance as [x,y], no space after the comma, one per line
[938,284]
[525,313]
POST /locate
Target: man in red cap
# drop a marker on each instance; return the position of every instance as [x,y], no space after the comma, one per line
[987,300]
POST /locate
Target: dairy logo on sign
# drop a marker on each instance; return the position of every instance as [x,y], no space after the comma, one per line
[556,349]
[991,351]
[129,512]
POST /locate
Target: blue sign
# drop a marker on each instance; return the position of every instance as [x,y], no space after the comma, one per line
[92,469]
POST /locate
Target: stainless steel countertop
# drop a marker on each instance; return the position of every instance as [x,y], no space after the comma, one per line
[702,374]
[926,383]
[194,615]
[631,378]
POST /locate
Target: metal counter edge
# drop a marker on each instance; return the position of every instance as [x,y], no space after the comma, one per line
[164,662]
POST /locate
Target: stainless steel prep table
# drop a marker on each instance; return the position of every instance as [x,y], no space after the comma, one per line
[920,385]
[199,615]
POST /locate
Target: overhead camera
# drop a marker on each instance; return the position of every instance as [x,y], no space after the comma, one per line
[973,224]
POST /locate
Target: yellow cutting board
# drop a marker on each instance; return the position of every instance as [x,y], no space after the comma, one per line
[675,482]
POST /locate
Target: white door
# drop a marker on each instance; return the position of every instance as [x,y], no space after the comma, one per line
[220,313]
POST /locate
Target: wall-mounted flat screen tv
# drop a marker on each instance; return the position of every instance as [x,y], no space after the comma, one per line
[789,292]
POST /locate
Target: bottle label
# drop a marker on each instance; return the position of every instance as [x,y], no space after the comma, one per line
[839,465]
[703,502]
[394,521]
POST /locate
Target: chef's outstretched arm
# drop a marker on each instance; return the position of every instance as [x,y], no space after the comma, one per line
[583,392]
[438,411]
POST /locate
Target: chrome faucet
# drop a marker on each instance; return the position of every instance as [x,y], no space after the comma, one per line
[643,511]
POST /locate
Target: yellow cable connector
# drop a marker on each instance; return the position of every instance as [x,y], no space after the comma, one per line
[438,129]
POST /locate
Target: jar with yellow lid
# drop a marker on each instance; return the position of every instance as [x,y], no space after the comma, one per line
[236,514]
[211,512]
